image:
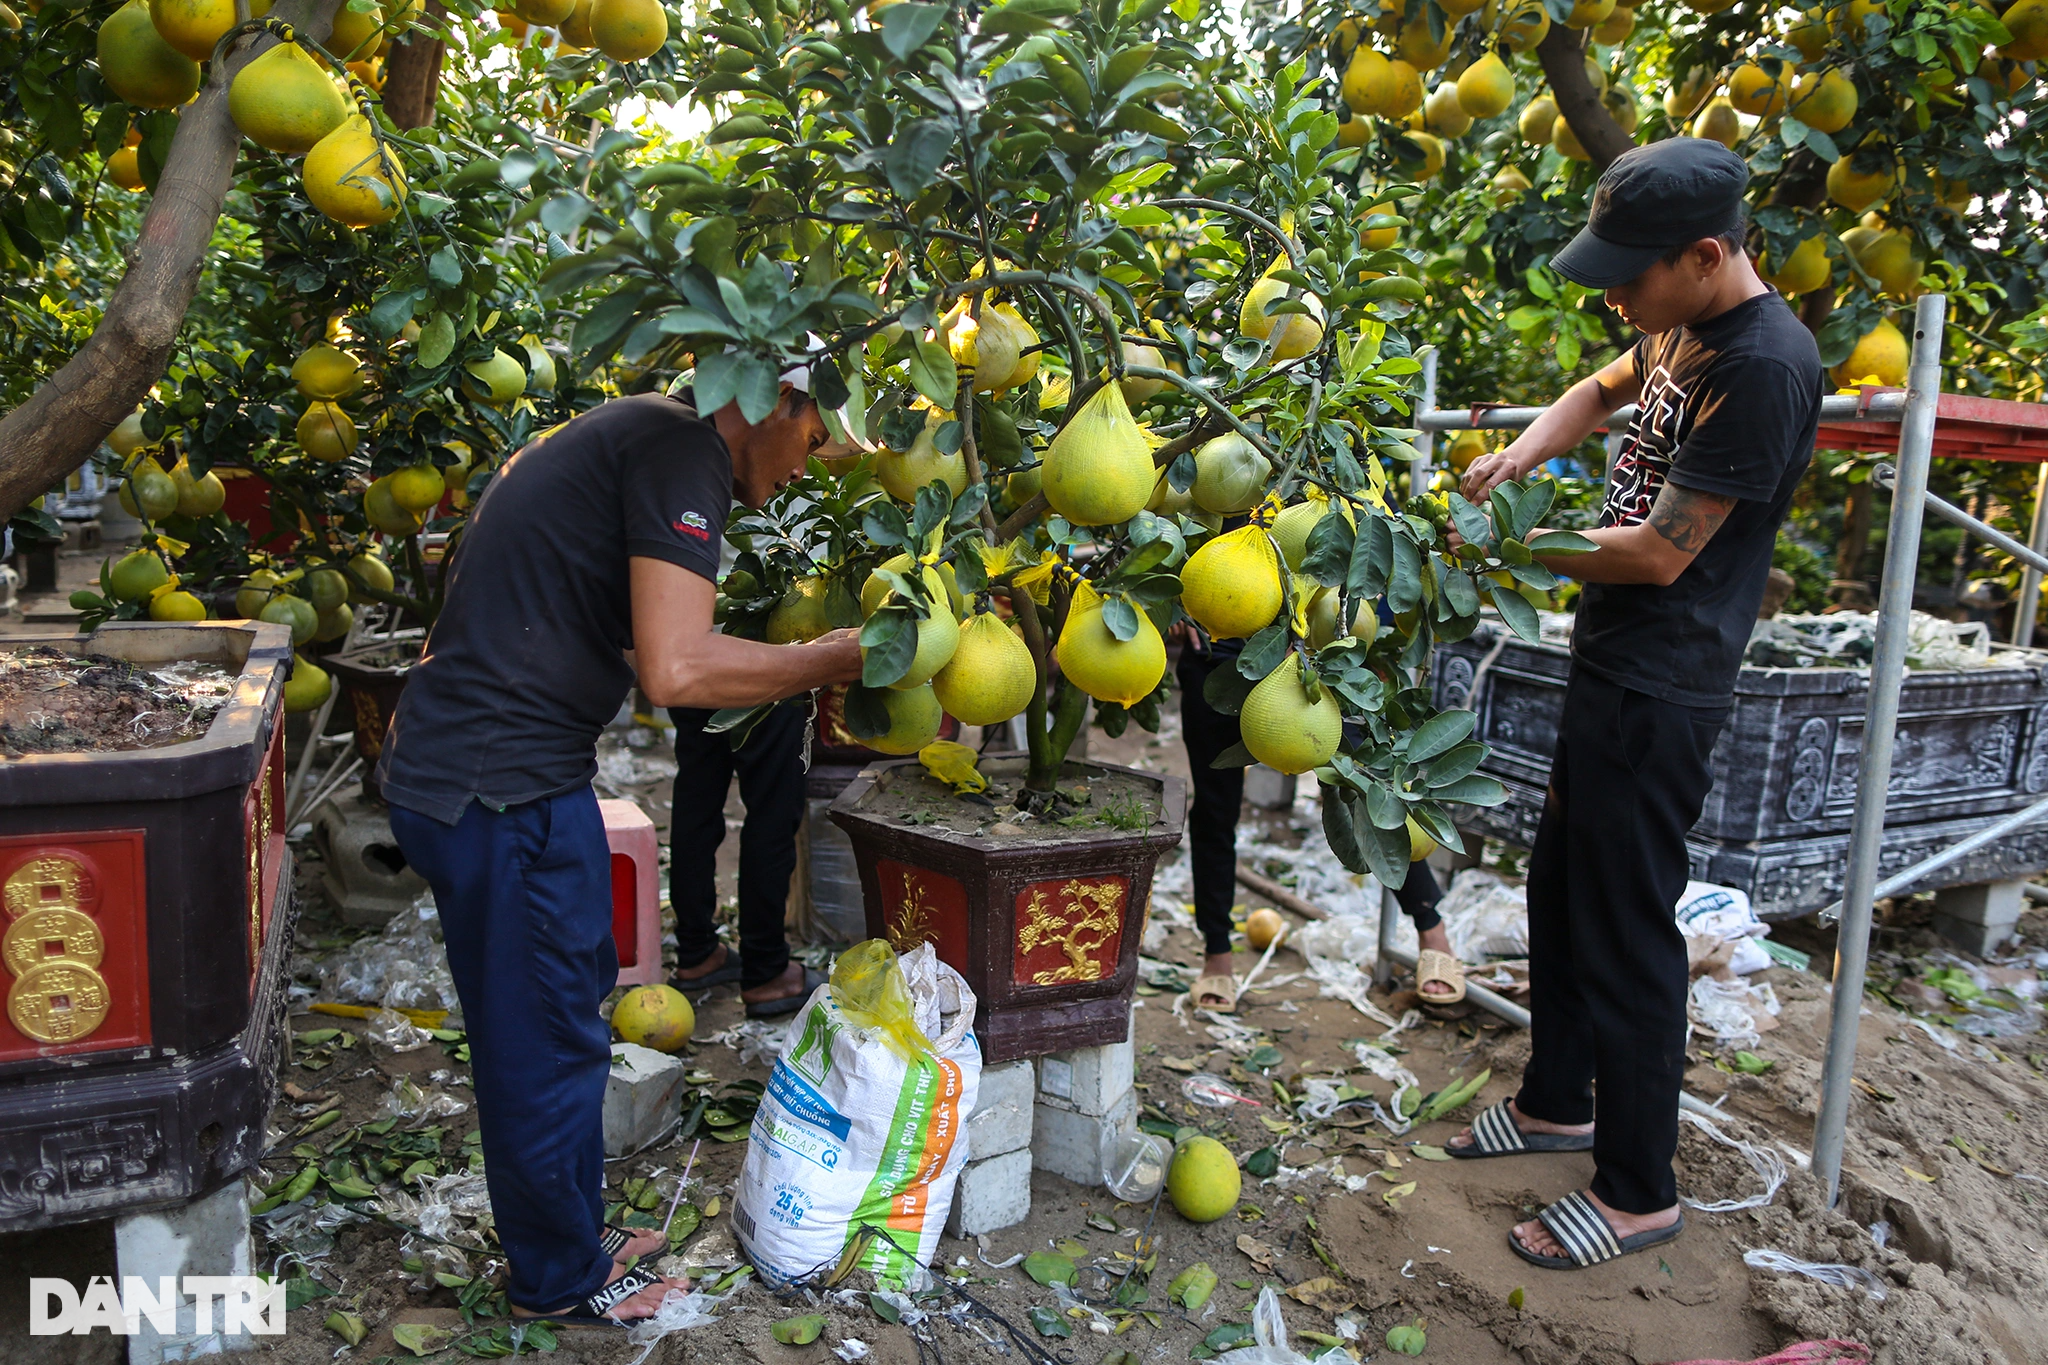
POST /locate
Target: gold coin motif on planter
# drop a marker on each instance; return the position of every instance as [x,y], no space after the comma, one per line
[42,936]
[58,1002]
[54,882]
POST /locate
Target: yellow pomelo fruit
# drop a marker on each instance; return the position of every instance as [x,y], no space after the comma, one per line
[296,612]
[149,492]
[1231,586]
[1463,449]
[1809,33]
[801,614]
[1291,529]
[1407,96]
[902,473]
[576,27]
[324,371]
[326,432]
[1106,668]
[417,488]
[1526,25]
[627,30]
[356,35]
[1849,18]
[1284,729]
[1368,85]
[139,66]
[1027,339]
[1323,626]
[1165,501]
[1262,926]
[540,365]
[1230,475]
[195,26]
[1203,1180]
[1510,184]
[257,589]
[1487,87]
[1354,132]
[1024,485]
[939,580]
[1857,190]
[1888,258]
[1458,9]
[1882,352]
[136,575]
[1420,843]
[124,169]
[1587,13]
[914,720]
[990,677]
[1825,100]
[370,73]
[372,572]
[1686,95]
[1620,104]
[349,180]
[544,13]
[1098,471]
[176,605]
[385,514]
[1539,117]
[284,101]
[496,379]
[1418,49]
[1718,122]
[1300,333]
[1136,390]
[197,497]
[659,1017]
[1613,31]
[1566,141]
[1804,271]
[128,436]
[307,687]
[1380,238]
[325,588]
[2027,22]
[1757,92]
[335,624]
[938,636]
[992,345]
[1443,115]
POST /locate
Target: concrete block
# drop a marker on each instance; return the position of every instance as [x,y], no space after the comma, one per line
[642,1096]
[1268,789]
[365,871]
[1070,1144]
[992,1193]
[1978,919]
[209,1236]
[1087,1080]
[1001,1121]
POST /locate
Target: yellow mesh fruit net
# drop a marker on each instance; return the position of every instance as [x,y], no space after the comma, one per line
[868,987]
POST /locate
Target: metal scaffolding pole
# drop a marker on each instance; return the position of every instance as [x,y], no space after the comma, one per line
[1425,444]
[2030,580]
[1835,407]
[1873,778]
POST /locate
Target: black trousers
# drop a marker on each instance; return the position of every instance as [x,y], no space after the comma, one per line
[771,773]
[1607,968]
[1218,795]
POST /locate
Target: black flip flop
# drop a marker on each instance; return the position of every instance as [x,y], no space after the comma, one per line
[1587,1237]
[788,1004]
[1495,1133]
[726,975]
[595,1311]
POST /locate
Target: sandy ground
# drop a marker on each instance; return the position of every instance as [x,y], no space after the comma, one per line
[1945,1158]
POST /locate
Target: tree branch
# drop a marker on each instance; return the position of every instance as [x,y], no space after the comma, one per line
[1563,54]
[64,421]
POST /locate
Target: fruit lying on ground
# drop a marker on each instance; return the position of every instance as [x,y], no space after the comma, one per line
[659,1017]
[1203,1180]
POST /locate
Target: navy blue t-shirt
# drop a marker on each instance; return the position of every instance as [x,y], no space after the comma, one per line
[525,665]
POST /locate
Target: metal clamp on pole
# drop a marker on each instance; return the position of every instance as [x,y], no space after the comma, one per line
[1873,778]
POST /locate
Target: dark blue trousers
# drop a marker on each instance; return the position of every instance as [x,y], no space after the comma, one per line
[525,901]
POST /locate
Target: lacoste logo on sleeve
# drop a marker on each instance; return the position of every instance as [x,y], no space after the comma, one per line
[694,524]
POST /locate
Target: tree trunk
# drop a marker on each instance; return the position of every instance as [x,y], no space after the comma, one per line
[64,421]
[1563,54]
[1855,534]
[412,74]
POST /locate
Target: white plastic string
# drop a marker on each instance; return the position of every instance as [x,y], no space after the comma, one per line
[1768,1165]
[1828,1272]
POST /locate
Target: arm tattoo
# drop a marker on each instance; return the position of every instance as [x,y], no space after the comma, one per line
[1687,517]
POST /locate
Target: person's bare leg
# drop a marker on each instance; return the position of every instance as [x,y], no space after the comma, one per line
[1536,1238]
[1439,939]
[1527,1125]
[644,1304]
[791,982]
[707,966]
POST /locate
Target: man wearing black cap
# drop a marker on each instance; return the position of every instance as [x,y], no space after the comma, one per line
[1728,386]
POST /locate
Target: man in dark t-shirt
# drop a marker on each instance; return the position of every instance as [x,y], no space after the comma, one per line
[1728,386]
[589,563]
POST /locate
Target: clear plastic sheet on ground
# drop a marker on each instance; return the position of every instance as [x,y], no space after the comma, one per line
[407,1101]
[1732,1013]
[1269,1334]
[1827,1272]
[1847,639]
[393,1031]
[403,968]
[451,1208]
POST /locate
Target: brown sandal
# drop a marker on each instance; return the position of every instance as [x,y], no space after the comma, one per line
[1442,968]
[1219,987]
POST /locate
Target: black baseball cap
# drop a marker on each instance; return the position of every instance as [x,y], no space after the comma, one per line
[1649,200]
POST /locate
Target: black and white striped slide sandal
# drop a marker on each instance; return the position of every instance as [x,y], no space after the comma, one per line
[1495,1133]
[1586,1236]
[615,1240]
[595,1311]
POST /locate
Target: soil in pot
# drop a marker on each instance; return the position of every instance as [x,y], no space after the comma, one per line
[54,702]
[1088,802]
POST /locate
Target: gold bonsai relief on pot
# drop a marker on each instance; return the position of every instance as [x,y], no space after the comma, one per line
[1082,922]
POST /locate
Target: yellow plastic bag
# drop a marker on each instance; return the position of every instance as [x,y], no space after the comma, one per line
[868,987]
[953,764]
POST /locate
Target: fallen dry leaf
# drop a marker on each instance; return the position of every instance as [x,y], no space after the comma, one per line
[1257,1252]
[1920,1176]
[1183,1064]
[1323,1292]
[1398,1193]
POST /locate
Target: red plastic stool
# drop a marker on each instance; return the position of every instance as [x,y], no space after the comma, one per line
[636,892]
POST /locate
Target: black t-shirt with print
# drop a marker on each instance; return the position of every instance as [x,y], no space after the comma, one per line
[524,666]
[1727,407]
